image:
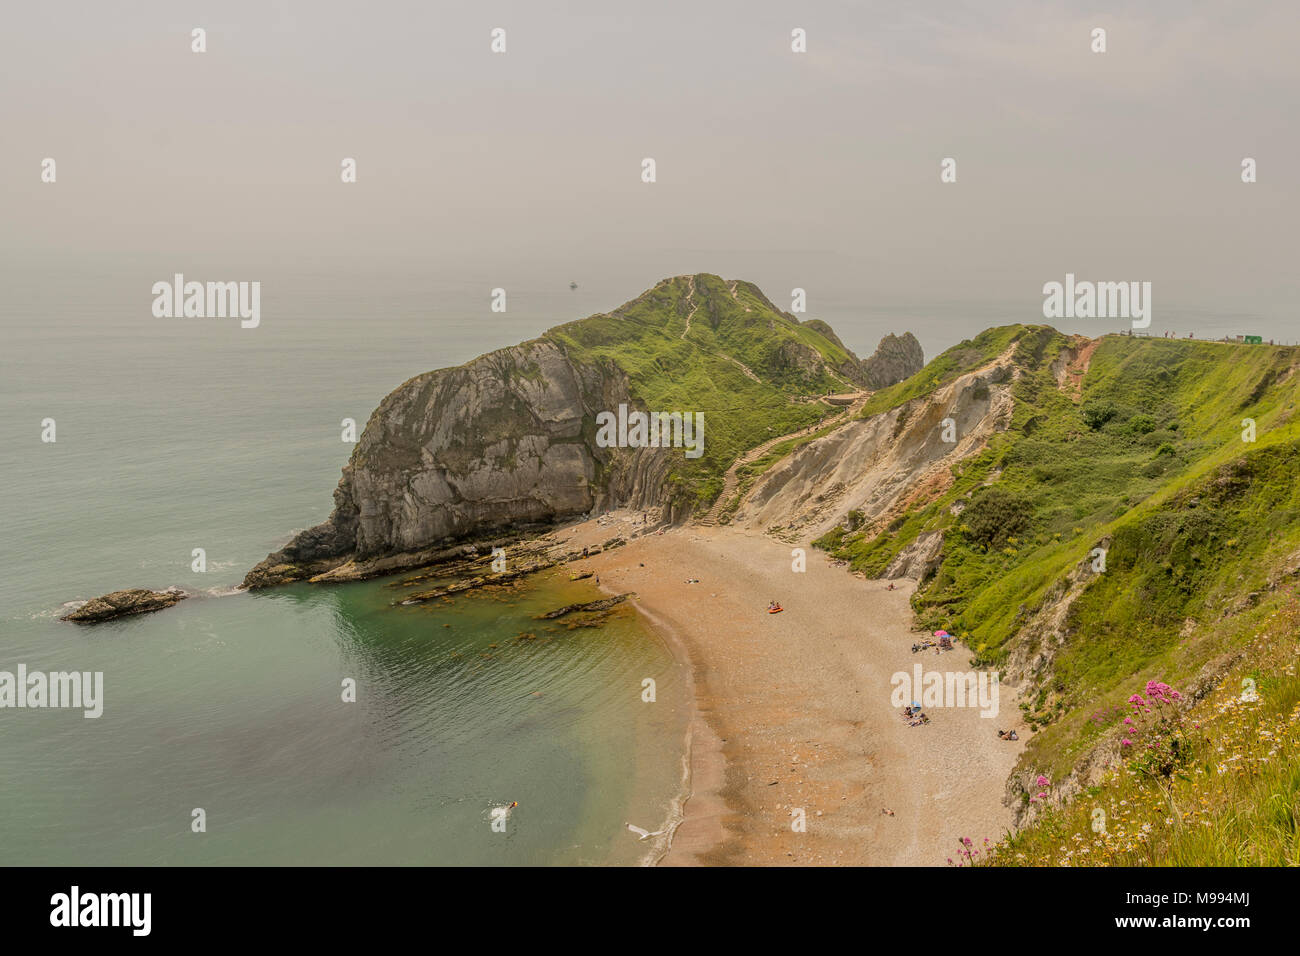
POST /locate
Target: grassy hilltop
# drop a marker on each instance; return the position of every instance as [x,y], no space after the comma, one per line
[1134,446]
[699,343]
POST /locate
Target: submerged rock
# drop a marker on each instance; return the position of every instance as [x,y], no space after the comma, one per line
[600,605]
[123,603]
[597,619]
[478,581]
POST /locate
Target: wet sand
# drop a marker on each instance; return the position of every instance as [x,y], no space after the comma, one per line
[793,710]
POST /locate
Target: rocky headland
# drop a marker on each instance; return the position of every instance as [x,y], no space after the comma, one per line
[507,445]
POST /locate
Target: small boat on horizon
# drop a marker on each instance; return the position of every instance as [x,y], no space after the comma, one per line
[573,285]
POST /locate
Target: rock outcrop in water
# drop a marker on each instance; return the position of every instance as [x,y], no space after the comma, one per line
[123,603]
[601,605]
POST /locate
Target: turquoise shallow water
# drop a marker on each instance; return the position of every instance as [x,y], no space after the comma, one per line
[234,704]
[173,436]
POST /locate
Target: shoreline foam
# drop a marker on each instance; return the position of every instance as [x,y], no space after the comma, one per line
[702,759]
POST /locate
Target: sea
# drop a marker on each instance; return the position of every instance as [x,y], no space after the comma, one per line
[225,737]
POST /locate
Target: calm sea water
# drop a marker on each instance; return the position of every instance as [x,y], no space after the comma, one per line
[176,435]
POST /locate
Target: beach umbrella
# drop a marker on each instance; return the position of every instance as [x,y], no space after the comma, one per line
[941,634]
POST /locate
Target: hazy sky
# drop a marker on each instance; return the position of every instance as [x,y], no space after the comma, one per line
[819,170]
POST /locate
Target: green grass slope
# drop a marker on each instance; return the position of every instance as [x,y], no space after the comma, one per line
[702,368]
[1149,463]
[1214,784]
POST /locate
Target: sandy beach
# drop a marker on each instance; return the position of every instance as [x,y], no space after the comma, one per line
[793,710]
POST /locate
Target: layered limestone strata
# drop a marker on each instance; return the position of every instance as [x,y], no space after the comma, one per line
[502,443]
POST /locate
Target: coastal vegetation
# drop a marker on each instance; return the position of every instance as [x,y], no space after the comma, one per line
[701,344]
[1213,784]
[1137,521]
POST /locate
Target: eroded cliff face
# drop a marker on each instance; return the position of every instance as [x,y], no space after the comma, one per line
[504,441]
[878,466]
